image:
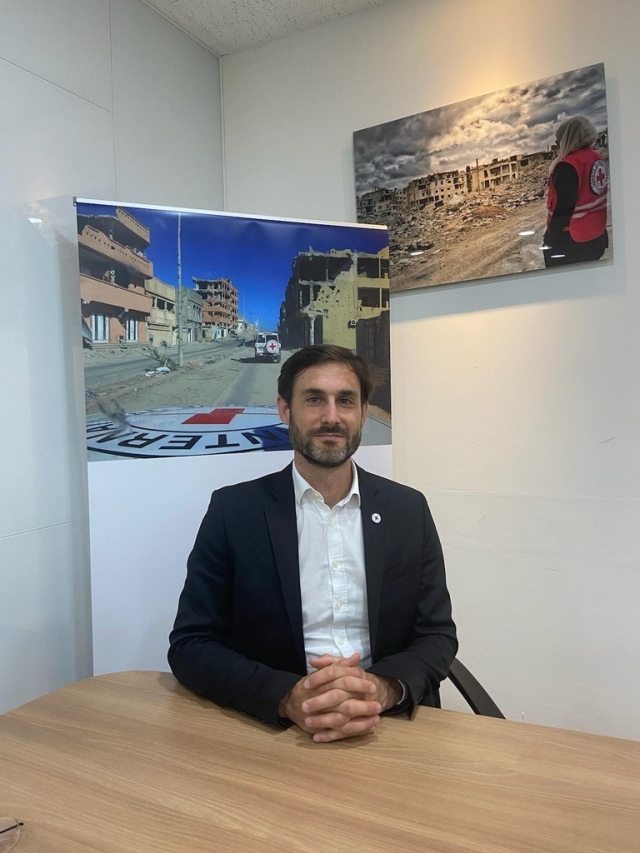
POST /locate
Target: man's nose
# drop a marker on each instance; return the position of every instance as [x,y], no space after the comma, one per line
[330,413]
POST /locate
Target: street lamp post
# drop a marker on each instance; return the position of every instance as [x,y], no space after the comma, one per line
[179,300]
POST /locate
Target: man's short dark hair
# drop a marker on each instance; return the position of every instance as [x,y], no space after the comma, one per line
[368,375]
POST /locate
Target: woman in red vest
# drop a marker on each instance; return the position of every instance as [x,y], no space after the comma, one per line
[576,197]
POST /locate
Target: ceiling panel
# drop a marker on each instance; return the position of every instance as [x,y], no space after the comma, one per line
[227,26]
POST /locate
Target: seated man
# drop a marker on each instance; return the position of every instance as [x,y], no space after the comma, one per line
[317,595]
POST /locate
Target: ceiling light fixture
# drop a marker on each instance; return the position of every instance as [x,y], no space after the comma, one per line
[526,233]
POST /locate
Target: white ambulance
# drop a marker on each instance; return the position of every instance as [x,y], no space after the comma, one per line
[267,346]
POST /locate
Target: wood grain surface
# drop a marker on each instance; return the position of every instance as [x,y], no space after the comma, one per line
[133,763]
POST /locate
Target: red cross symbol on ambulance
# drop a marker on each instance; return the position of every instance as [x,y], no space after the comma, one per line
[272,346]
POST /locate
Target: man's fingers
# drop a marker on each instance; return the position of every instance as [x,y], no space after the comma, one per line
[350,684]
[339,716]
[327,660]
[356,727]
[333,720]
[331,673]
[335,695]
[330,699]
[343,701]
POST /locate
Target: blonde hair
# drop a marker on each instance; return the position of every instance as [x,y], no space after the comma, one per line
[573,134]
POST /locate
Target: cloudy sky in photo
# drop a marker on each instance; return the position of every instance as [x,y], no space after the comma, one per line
[520,120]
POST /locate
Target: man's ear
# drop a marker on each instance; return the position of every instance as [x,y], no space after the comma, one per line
[283,409]
[365,411]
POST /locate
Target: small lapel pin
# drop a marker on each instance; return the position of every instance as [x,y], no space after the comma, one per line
[376,518]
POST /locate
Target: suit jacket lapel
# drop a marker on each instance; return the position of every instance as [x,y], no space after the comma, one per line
[283,531]
[373,530]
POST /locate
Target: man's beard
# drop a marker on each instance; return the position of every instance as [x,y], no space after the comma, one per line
[324,454]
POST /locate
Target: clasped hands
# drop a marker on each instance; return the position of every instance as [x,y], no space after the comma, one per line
[339,699]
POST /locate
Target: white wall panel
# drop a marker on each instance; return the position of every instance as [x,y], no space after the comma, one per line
[57,140]
[63,41]
[516,400]
[42,454]
[44,622]
[65,148]
[52,142]
[167,112]
[532,396]
[554,606]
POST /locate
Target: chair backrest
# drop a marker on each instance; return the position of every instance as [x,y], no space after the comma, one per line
[473,692]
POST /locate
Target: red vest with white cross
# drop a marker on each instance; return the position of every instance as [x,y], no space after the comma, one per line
[589,218]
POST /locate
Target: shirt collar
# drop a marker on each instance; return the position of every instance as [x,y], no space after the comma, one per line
[302,488]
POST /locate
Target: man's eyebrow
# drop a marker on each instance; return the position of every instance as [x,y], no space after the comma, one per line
[348,392]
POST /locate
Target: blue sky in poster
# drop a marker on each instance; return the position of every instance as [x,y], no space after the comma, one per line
[256,254]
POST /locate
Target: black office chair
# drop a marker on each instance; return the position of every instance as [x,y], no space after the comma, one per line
[472,691]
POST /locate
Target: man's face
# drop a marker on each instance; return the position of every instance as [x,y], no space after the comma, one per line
[326,414]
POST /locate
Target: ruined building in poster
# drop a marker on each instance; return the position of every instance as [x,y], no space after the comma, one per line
[435,190]
[340,297]
[191,316]
[329,293]
[113,273]
[162,323]
[491,175]
[219,307]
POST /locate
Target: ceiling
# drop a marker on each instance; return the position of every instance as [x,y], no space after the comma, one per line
[227,26]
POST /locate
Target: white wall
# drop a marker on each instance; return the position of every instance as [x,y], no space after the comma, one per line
[516,400]
[100,98]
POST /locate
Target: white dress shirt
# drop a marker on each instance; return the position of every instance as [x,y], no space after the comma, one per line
[333,584]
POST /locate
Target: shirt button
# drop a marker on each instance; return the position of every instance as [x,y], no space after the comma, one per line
[335,564]
[331,524]
[338,606]
[340,641]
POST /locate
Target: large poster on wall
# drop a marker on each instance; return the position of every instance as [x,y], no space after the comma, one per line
[504,183]
[187,318]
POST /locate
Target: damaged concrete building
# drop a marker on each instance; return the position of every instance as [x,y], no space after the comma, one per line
[381,200]
[113,273]
[490,175]
[329,293]
[340,297]
[219,307]
[427,191]
[161,324]
[437,189]
[191,316]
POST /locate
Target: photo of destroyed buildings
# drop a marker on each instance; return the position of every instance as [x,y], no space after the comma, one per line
[187,318]
[463,188]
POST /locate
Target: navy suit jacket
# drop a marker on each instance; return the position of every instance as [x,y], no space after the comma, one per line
[238,637]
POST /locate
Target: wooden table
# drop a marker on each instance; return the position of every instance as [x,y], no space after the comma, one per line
[132,762]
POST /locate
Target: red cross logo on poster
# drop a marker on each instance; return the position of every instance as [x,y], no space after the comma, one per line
[189,431]
[216,416]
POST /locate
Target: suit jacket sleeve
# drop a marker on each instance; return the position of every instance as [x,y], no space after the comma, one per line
[425,662]
[199,654]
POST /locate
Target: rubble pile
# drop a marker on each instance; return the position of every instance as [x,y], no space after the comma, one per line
[432,231]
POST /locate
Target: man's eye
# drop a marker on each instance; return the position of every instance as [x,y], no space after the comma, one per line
[346,401]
